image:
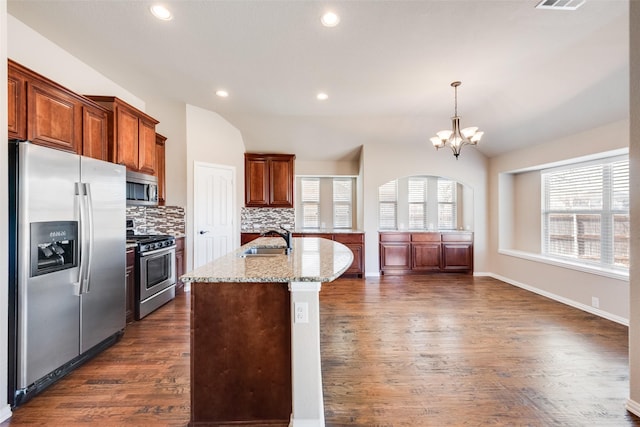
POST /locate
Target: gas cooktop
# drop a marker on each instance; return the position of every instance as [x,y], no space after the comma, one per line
[149,242]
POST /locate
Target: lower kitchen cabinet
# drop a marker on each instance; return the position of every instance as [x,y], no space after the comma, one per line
[130,280]
[180,264]
[248,237]
[354,241]
[427,252]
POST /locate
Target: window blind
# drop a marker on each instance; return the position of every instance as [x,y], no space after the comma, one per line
[417,197]
[585,212]
[342,196]
[387,199]
[310,197]
[447,197]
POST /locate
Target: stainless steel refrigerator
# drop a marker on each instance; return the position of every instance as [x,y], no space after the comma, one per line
[67,263]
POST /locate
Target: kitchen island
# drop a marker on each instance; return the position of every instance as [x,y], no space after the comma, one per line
[255,333]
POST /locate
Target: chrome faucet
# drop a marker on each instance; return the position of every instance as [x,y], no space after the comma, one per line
[286,235]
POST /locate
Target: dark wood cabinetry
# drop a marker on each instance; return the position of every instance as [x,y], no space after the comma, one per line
[95,134]
[354,241]
[45,113]
[130,280]
[269,180]
[17,103]
[132,135]
[180,264]
[160,168]
[247,237]
[406,253]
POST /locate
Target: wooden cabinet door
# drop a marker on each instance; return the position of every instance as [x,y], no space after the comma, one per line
[127,130]
[17,105]
[179,264]
[130,281]
[146,146]
[248,237]
[356,265]
[256,181]
[94,133]
[54,117]
[160,168]
[457,256]
[281,182]
[395,256]
[426,256]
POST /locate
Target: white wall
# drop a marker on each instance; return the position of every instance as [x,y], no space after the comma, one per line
[211,139]
[634,169]
[5,411]
[382,163]
[29,48]
[571,286]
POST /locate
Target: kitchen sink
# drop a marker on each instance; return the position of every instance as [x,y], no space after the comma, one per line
[257,251]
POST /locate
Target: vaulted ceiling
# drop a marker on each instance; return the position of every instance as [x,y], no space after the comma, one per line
[528,75]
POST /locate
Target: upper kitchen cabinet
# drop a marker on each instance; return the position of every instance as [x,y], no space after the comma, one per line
[269,180]
[132,135]
[17,97]
[45,113]
[160,168]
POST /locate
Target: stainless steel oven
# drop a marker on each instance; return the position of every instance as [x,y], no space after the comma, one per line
[155,273]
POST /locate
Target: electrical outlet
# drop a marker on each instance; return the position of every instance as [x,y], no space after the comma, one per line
[301,312]
[595,302]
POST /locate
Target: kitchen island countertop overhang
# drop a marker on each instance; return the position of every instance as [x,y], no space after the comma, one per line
[311,260]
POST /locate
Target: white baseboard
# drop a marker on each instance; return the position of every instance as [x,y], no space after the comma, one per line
[633,407]
[372,274]
[563,300]
[5,413]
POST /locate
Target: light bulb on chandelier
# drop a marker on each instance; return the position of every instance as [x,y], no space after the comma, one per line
[456,138]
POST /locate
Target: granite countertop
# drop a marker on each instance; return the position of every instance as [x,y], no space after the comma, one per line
[312,231]
[311,260]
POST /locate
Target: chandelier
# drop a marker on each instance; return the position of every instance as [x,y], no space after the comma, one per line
[456,138]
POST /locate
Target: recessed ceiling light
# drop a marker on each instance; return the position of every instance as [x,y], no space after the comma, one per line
[330,19]
[322,96]
[222,93]
[161,12]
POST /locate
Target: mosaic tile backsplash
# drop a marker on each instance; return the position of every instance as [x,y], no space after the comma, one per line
[262,219]
[157,219]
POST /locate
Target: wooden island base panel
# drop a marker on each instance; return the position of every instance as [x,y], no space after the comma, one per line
[240,353]
[255,334]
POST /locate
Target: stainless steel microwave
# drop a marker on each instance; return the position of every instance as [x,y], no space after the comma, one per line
[142,189]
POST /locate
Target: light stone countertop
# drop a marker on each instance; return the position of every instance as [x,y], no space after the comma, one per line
[311,260]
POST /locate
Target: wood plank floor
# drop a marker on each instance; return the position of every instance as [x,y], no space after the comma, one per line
[447,350]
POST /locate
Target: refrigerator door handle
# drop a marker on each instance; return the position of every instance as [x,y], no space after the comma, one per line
[90,240]
[79,190]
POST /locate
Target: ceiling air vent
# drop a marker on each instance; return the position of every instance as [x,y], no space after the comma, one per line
[560,4]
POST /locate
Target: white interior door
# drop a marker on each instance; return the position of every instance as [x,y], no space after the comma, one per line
[214,190]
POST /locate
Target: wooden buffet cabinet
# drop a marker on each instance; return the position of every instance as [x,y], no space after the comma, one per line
[426,252]
[269,180]
[46,113]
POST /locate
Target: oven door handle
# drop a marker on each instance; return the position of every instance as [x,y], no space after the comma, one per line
[157,251]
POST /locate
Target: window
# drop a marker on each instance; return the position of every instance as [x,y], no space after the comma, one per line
[310,198]
[418,203]
[585,212]
[387,200]
[417,195]
[447,196]
[325,202]
[342,194]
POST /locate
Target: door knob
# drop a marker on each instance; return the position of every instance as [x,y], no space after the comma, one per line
[204,231]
